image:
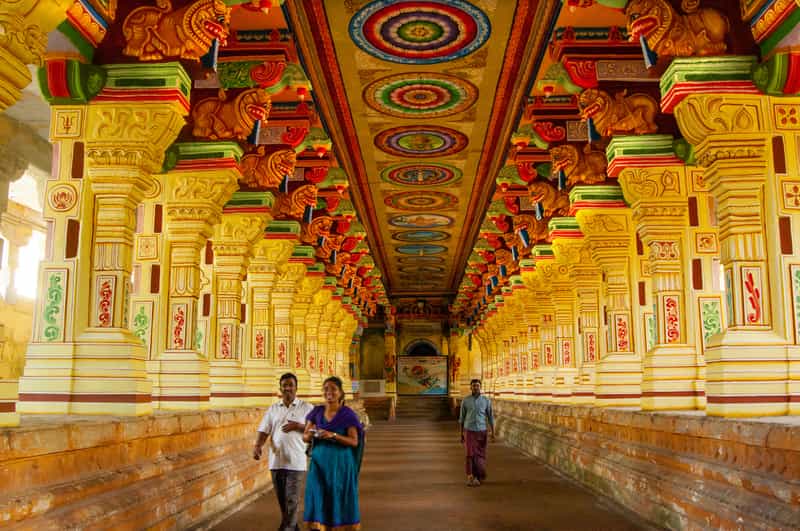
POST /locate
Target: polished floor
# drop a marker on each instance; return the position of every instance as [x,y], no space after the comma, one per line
[412,479]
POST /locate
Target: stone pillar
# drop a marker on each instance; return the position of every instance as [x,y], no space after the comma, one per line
[658,198]
[270,255]
[25,26]
[288,281]
[746,144]
[203,180]
[546,271]
[608,228]
[83,358]
[585,279]
[308,286]
[233,241]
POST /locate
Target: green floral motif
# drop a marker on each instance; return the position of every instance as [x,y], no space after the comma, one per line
[651,331]
[55,295]
[141,323]
[712,319]
[729,296]
[198,338]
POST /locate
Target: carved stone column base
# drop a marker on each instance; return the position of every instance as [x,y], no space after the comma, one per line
[745,379]
[564,387]
[261,385]
[583,392]
[102,373]
[9,416]
[546,383]
[180,381]
[618,380]
[669,379]
[227,384]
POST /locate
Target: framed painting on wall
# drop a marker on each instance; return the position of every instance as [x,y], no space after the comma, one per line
[422,375]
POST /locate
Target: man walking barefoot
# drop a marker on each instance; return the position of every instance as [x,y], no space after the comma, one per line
[283,424]
[476,419]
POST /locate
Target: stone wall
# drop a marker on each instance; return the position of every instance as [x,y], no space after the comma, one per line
[165,471]
[677,470]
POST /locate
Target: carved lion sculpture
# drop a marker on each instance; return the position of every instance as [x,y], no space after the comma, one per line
[293,205]
[320,226]
[622,115]
[218,119]
[699,32]
[156,33]
[262,170]
[537,228]
[555,202]
[587,167]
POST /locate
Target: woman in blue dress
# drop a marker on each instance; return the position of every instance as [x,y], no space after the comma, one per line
[331,501]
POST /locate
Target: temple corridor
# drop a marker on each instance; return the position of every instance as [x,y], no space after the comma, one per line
[412,479]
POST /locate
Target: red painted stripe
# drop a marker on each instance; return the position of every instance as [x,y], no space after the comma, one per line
[8,407]
[792,85]
[57,78]
[209,164]
[84,398]
[749,399]
[618,395]
[143,96]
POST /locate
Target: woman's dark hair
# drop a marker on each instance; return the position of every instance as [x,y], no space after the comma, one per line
[286,376]
[335,380]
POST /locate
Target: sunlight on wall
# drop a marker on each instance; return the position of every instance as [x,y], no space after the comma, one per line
[27,274]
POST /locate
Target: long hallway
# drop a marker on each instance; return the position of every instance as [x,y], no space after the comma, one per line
[413,480]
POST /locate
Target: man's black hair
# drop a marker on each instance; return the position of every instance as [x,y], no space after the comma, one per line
[286,376]
[474,380]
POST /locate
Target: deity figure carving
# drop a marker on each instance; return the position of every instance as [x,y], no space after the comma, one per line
[701,31]
[622,115]
[217,118]
[293,205]
[157,33]
[586,167]
[554,202]
[262,170]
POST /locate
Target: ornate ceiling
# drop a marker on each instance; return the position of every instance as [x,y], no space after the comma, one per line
[423,97]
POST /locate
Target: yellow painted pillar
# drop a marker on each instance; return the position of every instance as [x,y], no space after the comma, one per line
[233,240]
[585,279]
[608,228]
[390,362]
[25,25]
[83,358]
[308,286]
[546,272]
[747,145]
[283,295]
[658,196]
[164,315]
[565,319]
[270,255]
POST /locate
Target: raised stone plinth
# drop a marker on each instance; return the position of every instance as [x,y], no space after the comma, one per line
[678,470]
[164,471]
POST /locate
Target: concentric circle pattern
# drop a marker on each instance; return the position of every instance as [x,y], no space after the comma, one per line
[419,31]
[421,249]
[421,236]
[421,221]
[421,141]
[421,174]
[420,95]
[424,200]
[422,269]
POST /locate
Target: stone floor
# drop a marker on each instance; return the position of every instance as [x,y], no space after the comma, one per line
[412,479]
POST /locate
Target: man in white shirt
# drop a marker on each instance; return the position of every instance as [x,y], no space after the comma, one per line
[283,425]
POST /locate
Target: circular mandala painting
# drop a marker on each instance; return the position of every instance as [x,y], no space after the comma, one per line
[416,260]
[421,236]
[427,200]
[423,249]
[419,32]
[421,174]
[420,95]
[421,221]
[421,141]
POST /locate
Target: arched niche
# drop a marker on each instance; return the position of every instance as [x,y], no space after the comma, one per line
[421,347]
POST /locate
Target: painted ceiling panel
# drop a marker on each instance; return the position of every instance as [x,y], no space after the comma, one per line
[428,87]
